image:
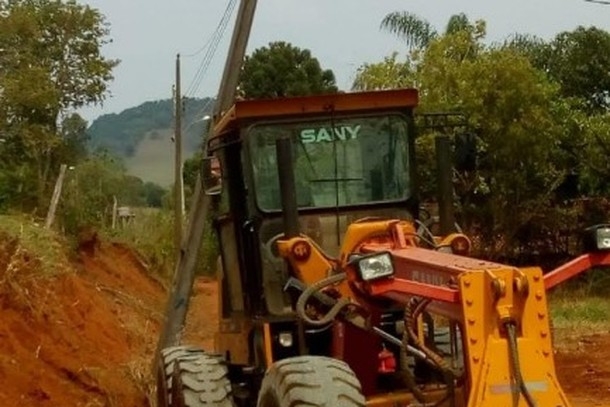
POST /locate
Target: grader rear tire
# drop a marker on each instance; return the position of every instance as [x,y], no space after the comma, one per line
[310,381]
[193,378]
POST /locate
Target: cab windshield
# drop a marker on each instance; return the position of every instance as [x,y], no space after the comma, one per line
[338,163]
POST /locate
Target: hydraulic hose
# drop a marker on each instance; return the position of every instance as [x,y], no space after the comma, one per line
[409,379]
[407,375]
[412,311]
[513,349]
[317,286]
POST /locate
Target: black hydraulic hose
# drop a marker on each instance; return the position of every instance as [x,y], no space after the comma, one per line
[511,332]
[412,311]
[306,295]
[407,375]
[410,380]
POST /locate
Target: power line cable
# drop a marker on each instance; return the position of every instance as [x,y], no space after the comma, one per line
[207,43]
[211,46]
[206,63]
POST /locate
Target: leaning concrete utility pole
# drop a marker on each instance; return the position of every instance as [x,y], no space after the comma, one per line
[184,275]
[235,58]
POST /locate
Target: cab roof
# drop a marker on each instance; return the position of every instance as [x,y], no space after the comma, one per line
[244,111]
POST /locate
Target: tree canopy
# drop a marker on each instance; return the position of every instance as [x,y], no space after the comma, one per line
[282,69]
[580,62]
[56,46]
[50,64]
[536,108]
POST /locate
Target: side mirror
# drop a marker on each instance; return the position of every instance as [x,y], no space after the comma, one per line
[465,152]
[211,176]
[597,238]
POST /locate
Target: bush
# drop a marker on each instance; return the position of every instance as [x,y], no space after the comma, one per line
[151,233]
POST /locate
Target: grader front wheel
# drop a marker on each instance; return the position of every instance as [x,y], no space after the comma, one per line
[310,381]
[191,377]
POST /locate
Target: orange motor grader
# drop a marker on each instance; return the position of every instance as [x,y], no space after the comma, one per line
[333,291]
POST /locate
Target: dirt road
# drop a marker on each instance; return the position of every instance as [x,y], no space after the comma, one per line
[584,371]
[85,338]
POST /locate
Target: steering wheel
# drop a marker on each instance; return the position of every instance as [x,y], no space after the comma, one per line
[423,230]
[270,250]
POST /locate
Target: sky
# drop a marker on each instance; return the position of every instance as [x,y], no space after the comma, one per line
[342,34]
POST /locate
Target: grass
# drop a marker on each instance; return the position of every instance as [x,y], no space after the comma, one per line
[576,314]
[593,311]
[151,233]
[138,369]
[26,239]
[29,255]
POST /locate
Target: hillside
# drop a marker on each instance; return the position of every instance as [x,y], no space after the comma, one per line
[142,136]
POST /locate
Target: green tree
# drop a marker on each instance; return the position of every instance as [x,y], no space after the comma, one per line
[579,60]
[533,47]
[513,106]
[191,167]
[50,63]
[281,70]
[538,147]
[153,194]
[89,192]
[591,149]
[74,138]
[418,35]
[60,41]
[388,74]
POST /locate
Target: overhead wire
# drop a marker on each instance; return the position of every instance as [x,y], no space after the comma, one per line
[210,46]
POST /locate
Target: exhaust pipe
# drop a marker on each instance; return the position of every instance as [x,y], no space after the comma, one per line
[444,170]
[285,170]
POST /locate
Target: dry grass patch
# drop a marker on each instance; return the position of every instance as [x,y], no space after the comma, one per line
[576,314]
[29,255]
[25,242]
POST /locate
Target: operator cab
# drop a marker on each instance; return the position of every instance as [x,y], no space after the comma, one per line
[352,159]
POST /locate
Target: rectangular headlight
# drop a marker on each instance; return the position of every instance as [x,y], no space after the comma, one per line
[375,266]
[597,238]
[603,239]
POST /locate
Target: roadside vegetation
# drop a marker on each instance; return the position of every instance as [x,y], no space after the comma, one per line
[581,306]
[23,241]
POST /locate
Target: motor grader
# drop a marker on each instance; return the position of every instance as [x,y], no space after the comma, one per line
[332,289]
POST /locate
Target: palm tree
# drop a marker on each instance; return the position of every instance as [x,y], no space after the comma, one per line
[417,32]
